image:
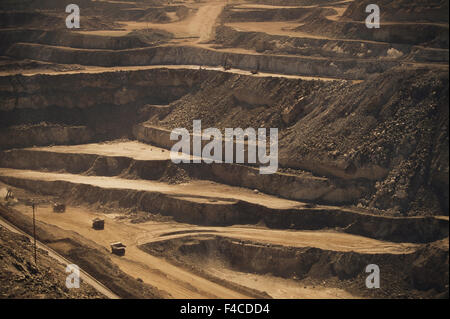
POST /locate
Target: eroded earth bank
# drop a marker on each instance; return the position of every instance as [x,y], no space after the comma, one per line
[85,121]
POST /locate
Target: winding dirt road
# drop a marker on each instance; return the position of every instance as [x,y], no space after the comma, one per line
[202,24]
[182,283]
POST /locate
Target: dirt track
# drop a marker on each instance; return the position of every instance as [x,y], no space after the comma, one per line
[362,151]
[182,284]
[51,253]
[196,28]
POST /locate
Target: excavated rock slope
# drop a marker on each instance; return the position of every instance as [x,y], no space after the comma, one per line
[391,131]
[435,11]
[363,142]
[423,269]
[20,278]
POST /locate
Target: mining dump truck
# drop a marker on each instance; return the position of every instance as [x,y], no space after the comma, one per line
[98,223]
[59,208]
[118,248]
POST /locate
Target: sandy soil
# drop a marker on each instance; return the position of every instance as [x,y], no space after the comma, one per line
[182,283]
[326,240]
[274,28]
[106,33]
[178,282]
[197,30]
[193,191]
[285,28]
[59,263]
[133,149]
[280,288]
[266,6]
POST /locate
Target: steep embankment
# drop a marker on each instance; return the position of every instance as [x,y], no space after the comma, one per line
[190,55]
[353,136]
[21,278]
[391,130]
[36,111]
[137,160]
[238,14]
[222,205]
[309,45]
[310,263]
[88,255]
[422,23]
[82,40]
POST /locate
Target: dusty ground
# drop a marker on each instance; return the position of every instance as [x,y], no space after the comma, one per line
[363,130]
[181,278]
[21,278]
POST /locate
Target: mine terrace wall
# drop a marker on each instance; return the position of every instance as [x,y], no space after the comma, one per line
[45,109]
[161,137]
[45,134]
[302,262]
[165,55]
[395,229]
[153,86]
[279,44]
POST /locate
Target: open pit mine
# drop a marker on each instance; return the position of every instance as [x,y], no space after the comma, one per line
[355,205]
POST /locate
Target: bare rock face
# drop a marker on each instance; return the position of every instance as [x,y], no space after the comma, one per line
[20,278]
[431,267]
[404,22]
[361,116]
[396,124]
[390,131]
[397,272]
[401,10]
